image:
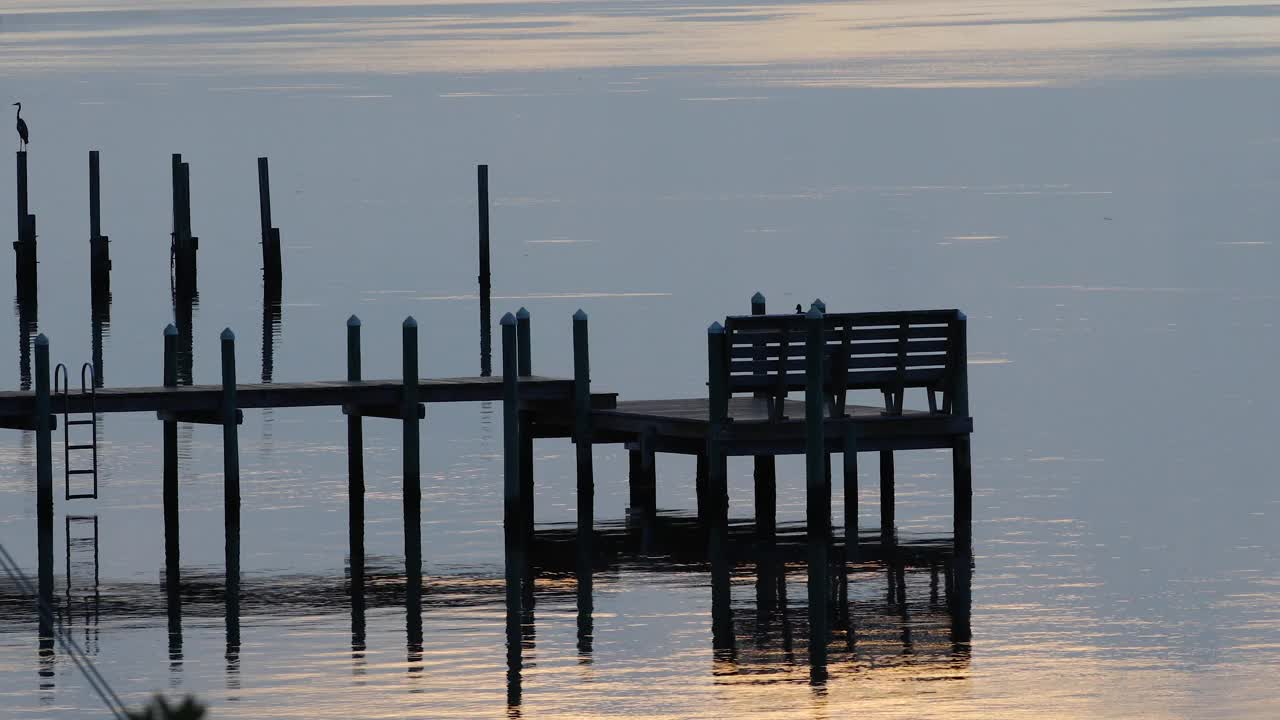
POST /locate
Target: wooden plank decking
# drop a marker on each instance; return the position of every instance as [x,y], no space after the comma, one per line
[198,398]
[681,426]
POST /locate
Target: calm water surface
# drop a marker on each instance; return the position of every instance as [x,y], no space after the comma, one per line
[1092,182]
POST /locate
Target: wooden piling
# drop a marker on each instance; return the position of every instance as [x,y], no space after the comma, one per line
[355,469]
[25,246]
[582,435]
[172,552]
[486,312]
[511,504]
[271,265]
[230,462]
[95,207]
[961,459]
[818,499]
[888,531]
[850,492]
[717,490]
[412,471]
[44,485]
[766,473]
[524,344]
[99,254]
[700,479]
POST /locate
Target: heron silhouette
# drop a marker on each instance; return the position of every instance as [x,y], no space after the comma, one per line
[22,128]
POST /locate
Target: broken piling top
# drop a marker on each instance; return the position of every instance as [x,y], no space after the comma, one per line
[409,322]
[353,322]
[580,316]
[170,329]
[507,319]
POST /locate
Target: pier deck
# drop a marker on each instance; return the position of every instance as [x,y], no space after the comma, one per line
[208,398]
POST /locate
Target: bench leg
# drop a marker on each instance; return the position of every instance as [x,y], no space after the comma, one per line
[888,532]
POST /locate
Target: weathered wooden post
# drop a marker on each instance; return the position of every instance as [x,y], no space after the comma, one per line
[230,462]
[412,470]
[582,433]
[766,474]
[99,254]
[172,552]
[184,243]
[355,469]
[888,531]
[718,510]
[961,460]
[271,266]
[524,358]
[486,311]
[44,485]
[25,247]
[700,479]
[511,486]
[818,499]
[850,491]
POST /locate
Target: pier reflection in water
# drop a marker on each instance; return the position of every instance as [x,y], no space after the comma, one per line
[907,606]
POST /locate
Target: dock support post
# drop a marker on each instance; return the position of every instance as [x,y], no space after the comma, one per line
[25,247]
[172,552]
[717,487]
[700,477]
[766,474]
[486,311]
[961,461]
[582,437]
[44,486]
[888,531]
[511,504]
[355,473]
[817,489]
[850,492]
[99,253]
[524,359]
[412,472]
[271,269]
[230,463]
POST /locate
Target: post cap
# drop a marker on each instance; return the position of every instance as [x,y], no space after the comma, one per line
[507,319]
[227,334]
[353,321]
[522,314]
[41,340]
[409,322]
[814,313]
[580,315]
[170,329]
[758,298]
[820,305]
[961,316]
[715,329]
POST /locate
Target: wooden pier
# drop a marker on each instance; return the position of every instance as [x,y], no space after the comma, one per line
[755,364]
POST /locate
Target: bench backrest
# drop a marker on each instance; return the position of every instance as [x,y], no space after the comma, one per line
[886,351]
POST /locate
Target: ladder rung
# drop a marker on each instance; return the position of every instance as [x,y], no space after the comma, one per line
[90,496]
[80,447]
[79,422]
[80,472]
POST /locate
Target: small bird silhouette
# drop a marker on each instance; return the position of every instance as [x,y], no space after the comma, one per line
[23,135]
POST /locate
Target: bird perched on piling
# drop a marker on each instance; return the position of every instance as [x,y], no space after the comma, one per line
[22,128]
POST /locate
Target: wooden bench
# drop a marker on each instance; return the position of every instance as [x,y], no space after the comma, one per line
[888,352]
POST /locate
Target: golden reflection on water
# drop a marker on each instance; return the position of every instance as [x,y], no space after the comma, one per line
[924,44]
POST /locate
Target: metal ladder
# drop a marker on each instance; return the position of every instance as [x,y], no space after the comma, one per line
[61,387]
